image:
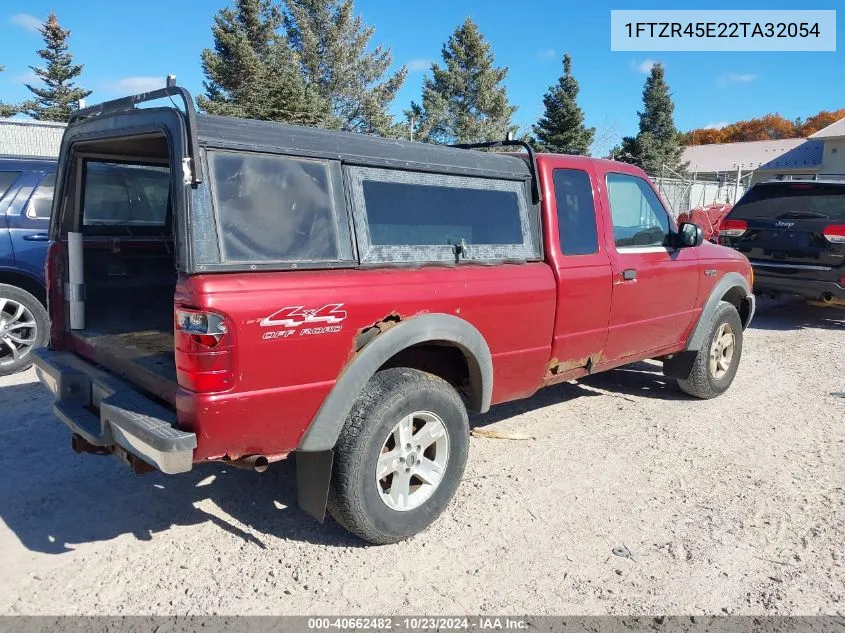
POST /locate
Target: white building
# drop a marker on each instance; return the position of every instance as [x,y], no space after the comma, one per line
[833,137]
[26,137]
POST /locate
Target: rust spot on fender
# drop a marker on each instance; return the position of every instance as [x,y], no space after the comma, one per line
[368,333]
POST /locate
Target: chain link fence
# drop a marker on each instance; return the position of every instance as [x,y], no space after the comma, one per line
[683,193]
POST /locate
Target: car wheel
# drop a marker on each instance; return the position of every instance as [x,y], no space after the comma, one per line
[23,327]
[718,359]
[400,456]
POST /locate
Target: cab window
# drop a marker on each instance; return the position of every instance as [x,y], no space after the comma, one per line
[576,212]
[639,219]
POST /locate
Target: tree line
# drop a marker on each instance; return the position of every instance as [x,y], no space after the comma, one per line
[310,62]
[764,128]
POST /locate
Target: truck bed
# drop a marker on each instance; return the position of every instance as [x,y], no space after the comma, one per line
[143,357]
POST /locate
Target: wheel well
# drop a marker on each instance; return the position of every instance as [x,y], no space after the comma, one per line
[441,358]
[25,282]
[737,297]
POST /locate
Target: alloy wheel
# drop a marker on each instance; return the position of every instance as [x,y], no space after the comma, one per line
[722,351]
[412,461]
[18,331]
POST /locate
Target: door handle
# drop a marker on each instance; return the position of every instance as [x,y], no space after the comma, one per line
[37,237]
[629,275]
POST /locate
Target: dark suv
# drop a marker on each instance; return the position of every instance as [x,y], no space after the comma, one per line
[26,195]
[793,232]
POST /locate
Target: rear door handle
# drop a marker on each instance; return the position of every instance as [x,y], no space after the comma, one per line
[629,274]
[37,237]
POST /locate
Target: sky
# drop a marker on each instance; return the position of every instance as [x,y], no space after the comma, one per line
[129,47]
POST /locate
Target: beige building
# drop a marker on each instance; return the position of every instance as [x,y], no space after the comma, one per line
[833,137]
[803,160]
[753,160]
[25,137]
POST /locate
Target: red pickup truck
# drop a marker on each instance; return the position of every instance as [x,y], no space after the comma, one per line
[240,291]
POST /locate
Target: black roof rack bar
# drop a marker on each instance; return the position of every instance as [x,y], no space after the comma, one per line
[536,195]
[128,103]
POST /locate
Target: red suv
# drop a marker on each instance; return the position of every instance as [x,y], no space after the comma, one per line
[272,289]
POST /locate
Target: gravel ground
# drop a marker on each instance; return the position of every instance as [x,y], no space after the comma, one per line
[734,505]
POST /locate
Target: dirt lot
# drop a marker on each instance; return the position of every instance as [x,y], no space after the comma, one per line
[735,505]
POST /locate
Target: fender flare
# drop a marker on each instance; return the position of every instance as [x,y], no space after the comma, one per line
[725,284]
[325,428]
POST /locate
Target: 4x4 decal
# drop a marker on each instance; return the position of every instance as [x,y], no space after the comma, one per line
[294,316]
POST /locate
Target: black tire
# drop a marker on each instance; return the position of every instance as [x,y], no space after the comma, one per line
[40,332]
[354,496]
[701,382]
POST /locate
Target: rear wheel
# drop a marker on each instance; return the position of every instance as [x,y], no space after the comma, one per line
[718,359]
[23,327]
[400,456]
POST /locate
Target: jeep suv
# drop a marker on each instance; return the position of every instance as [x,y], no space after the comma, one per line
[26,194]
[280,290]
[793,231]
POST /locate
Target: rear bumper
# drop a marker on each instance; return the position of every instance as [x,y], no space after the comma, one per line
[765,281]
[108,413]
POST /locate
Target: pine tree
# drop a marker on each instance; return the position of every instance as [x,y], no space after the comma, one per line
[465,101]
[252,71]
[562,129]
[331,43]
[60,95]
[658,143]
[8,109]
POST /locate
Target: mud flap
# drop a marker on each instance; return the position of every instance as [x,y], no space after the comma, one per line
[313,475]
[680,365]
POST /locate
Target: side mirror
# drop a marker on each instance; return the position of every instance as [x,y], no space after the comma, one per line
[690,234]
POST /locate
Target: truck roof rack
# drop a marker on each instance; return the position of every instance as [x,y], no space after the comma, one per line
[126,104]
[536,195]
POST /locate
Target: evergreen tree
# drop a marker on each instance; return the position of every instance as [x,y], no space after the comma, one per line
[658,142]
[562,129]
[8,109]
[59,95]
[465,101]
[252,71]
[331,44]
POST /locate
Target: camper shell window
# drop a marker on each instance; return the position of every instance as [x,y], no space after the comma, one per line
[410,217]
[125,197]
[274,208]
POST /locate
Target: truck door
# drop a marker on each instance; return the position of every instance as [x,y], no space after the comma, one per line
[581,265]
[655,285]
[29,223]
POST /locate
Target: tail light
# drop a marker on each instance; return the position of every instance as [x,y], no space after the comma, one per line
[732,228]
[835,233]
[204,351]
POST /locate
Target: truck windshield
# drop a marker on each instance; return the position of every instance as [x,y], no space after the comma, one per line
[770,201]
[125,195]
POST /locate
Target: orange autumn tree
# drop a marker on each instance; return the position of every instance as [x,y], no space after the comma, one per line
[821,120]
[766,128]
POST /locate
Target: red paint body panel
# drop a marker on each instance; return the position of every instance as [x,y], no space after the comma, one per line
[584,282]
[280,383]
